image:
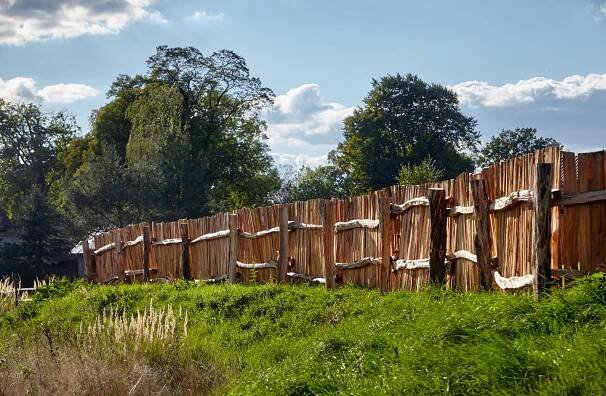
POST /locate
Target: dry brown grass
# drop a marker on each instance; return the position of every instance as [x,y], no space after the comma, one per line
[117,355]
[135,331]
[68,370]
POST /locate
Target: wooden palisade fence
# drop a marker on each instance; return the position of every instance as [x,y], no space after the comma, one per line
[513,225]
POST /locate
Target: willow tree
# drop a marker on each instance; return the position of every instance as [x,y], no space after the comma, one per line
[190,127]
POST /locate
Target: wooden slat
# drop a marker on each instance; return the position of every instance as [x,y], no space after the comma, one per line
[542,229]
[328,236]
[583,198]
[359,263]
[482,237]
[283,256]
[583,226]
[146,252]
[185,266]
[411,203]
[233,243]
[356,223]
[106,248]
[385,228]
[269,264]
[437,241]
[211,236]
[597,211]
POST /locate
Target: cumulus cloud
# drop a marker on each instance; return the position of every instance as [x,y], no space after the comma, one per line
[481,93]
[299,160]
[204,16]
[24,89]
[302,117]
[22,21]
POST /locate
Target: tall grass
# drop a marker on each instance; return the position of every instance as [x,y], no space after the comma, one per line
[273,339]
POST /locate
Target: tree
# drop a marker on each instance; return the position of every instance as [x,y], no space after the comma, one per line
[105,193]
[511,143]
[196,119]
[403,121]
[185,139]
[325,181]
[425,172]
[41,234]
[29,141]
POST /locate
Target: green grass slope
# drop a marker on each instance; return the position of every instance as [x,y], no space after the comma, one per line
[298,340]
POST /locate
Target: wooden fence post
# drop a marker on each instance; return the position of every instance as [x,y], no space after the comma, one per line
[233,247]
[482,238]
[437,242]
[88,261]
[328,238]
[184,231]
[542,230]
[118,250]
[146,249]
[385,228]
[283,253]
[16,286]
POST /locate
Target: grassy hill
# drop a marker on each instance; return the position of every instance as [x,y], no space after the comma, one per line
[298,340]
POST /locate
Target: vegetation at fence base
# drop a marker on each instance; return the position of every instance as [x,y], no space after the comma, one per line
[278,339]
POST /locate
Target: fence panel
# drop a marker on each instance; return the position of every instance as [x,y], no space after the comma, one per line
[577,243]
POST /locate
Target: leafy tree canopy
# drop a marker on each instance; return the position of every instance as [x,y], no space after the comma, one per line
[511,143]
[403,121]
[190,128]
[29,142]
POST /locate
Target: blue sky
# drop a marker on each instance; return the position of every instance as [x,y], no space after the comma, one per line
[514,63]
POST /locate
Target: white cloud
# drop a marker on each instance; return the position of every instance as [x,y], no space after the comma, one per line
[24,89]
[23,21]
[302,116]
[66,93]
[481,93]
[204,16]
[299,160]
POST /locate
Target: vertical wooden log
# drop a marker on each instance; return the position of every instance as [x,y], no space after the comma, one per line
[437,242]
[482,238]
[184,231]
[385,228]
[146,251]
[233,246]
[328,238]
[89,269]
[283,259]
[119,254]
[542,230]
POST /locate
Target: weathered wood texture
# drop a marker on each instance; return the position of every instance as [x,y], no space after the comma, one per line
[283,256]
[352,245]
[511,229]
[146,252]
[482,238]
[578,232]
[582,230]
[232,255]
[185,265]
[386,231]
[328,242]
[542,229]
[437,236]
[89,267]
